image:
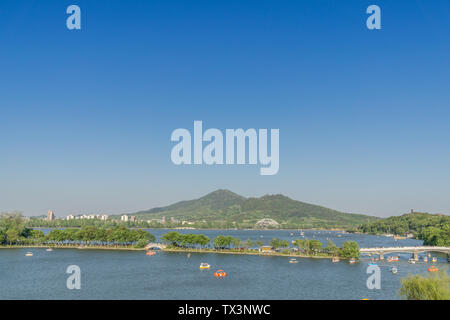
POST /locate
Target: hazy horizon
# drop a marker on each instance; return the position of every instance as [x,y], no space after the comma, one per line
[87,115]
[175,201]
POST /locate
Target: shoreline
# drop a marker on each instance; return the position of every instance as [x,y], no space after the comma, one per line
[180,250]
[256,253]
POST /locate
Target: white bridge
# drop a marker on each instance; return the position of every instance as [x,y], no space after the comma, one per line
[414,250]
[157,246]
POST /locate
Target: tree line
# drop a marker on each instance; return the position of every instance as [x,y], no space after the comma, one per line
[433,229]
[14,232]
[349,249]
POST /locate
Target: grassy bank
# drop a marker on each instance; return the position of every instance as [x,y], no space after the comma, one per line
[246,252]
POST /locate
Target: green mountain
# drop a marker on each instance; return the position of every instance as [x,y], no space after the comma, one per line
[223,208]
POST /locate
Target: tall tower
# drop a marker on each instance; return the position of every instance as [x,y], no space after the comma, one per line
[50,215]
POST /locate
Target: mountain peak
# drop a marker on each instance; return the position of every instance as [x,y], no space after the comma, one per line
[223,193]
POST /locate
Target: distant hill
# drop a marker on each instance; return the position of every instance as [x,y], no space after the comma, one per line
[233,210]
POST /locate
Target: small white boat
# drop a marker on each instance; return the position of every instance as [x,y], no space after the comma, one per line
[412,261]
[335,259]
[204,265]
[425,259]
[293,260]
[392,259]
[29,254]
[49,249]
[352,261]
[394,270]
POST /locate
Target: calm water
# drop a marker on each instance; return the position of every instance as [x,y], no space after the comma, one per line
[133,275]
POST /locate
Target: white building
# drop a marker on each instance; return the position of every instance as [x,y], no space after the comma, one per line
[70,217]
[124,218]
[104,217]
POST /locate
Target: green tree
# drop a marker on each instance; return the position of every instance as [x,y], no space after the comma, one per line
[332,248]
[315,245]
[350,249]
[432,287]
[141,243]
[171,237]
[275,243]
[284,244]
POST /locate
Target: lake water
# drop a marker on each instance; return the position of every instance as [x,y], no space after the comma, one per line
[107,274]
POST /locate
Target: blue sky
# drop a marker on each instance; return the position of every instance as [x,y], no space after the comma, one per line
[86,115]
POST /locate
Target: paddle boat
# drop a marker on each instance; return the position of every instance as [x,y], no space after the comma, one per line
[29,254]
[150,253]
[204,265]
[335,259]
[293,260]
[394,270]
[392,259]
[433,269]
[220,274]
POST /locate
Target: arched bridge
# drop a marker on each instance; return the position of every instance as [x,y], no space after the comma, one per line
[154,245]
[414,250]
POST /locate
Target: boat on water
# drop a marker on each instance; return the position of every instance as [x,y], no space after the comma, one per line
[150,253]
[204,265]
[49,249]
[352,261]
[425,259]
[433,269]
[399,238]
[372,264]
[220,274]
[189,255]
[29,254]
[394,270]
[412,261]
[335,259]
[434,259]
[392,259]
[293,260]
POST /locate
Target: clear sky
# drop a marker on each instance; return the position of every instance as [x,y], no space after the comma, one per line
[86,115]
